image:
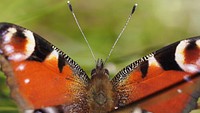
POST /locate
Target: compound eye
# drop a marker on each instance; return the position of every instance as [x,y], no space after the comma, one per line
[93,72]
[106,72]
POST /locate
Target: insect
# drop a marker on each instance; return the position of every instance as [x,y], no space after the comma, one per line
[43,79]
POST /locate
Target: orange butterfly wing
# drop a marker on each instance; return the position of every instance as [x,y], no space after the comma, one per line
[167,81]
[38,74]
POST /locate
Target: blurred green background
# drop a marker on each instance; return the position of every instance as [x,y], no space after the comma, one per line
[155,24]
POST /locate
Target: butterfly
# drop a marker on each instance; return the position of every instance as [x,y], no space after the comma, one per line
[43,79]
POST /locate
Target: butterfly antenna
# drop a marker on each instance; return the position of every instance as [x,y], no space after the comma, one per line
[71,9]
[127,21]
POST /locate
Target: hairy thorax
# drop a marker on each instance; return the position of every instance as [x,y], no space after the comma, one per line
[101,99]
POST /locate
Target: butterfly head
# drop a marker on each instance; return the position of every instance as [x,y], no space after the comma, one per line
[99,70]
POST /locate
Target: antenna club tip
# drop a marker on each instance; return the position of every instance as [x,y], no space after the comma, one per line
[136,5]
[70,6]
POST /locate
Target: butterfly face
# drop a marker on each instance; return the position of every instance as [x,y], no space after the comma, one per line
[43,79]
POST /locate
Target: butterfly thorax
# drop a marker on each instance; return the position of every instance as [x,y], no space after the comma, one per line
[100,89]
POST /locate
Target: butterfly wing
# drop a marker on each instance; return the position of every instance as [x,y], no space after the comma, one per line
[166,81]
[38,74]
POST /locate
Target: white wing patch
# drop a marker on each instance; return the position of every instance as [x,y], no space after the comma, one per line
[198,43]
[9,33]
[30,45]
[53,55]
[153,61]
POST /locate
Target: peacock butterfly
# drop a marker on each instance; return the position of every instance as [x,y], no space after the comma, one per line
[43,79]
